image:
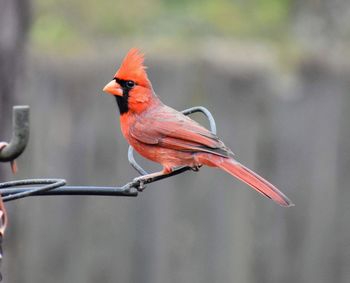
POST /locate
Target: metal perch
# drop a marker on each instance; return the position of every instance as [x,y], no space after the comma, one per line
[19,189]
[48,187]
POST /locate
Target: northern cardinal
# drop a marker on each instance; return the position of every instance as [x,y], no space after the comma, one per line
[166,136]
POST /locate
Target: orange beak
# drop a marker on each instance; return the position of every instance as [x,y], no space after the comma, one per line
[113,88]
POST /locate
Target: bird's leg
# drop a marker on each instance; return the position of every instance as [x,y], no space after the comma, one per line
[145,179]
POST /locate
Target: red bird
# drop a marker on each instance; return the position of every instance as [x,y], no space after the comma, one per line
[168,137]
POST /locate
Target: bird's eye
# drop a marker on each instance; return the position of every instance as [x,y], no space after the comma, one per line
[130,84]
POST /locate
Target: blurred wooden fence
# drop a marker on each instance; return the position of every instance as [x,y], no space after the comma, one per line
[292,128]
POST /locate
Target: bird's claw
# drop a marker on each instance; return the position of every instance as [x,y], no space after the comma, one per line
[195,168]
[139,184]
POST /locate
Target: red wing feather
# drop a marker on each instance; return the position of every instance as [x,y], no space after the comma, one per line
[171,129]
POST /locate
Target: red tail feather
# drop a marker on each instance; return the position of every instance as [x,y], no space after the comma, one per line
[246,175]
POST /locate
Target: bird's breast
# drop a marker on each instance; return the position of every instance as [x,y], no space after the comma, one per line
[126,121]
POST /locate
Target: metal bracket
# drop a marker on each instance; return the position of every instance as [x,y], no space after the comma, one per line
[18,189]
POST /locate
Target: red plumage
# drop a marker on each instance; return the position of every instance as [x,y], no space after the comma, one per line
[168,137]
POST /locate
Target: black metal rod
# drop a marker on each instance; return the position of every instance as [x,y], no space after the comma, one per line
[49,184]
[15,189]
[20,134]
[73,190]
[10,193]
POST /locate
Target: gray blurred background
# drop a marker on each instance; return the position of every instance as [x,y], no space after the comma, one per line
[274,73]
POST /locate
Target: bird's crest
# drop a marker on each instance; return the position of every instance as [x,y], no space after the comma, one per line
[132,68]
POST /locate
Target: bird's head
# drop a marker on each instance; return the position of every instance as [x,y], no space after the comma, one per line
[130,84]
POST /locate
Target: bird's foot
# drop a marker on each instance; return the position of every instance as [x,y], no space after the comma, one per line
[195,168]
[140,183]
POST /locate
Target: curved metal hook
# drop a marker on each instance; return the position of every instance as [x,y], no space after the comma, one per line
[205,112]
[188,111]
[133,162]
[20,134]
